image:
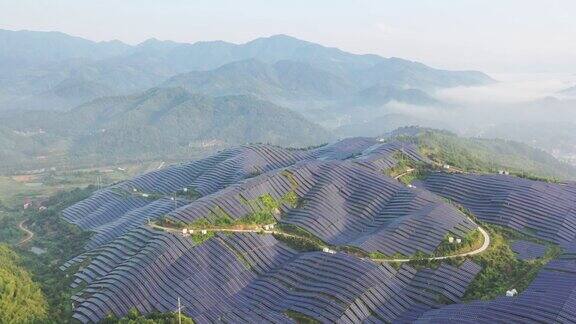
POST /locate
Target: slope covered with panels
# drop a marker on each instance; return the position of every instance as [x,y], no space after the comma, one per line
[343,198]
[342,203]
[112,211]
[546,210]
[254,278]
[551,298]
[527,250]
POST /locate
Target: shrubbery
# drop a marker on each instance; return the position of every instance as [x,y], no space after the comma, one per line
[501,270]
[21,300]
[134,317]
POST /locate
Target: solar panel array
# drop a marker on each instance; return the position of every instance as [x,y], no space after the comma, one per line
[343,203]
[112,211]
[344,199]
[545,210]
[254,278]
[550,298]
[527,250]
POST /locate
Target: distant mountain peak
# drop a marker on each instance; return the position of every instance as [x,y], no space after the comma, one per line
[281,37]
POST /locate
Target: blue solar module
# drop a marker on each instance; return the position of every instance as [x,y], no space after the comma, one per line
[545,210]
[251,277]
[343,203]
[551,298]
[528,250]
[345,199]
[112,211]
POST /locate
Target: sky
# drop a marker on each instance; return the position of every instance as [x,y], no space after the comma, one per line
[498,36]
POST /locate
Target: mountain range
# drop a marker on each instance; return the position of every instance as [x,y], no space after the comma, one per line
[75,98]
[47,70]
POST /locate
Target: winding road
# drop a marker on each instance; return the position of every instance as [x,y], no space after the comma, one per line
[29,233]
[481,249]
[403,174]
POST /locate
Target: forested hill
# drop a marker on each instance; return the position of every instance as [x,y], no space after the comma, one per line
[288,79]
[21,300]
[157,122]
[485,155]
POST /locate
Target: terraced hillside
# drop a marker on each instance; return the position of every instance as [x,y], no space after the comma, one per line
[544,210]
[254,278]
[338,215]
[116,209]
[549,299]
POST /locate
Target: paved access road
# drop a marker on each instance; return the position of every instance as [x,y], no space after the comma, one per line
[29,233]
[481,249]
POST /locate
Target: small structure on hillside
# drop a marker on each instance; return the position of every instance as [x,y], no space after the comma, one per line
[458,241]
[184,231]
[446,166]
[328,250]
[38,251]
[450,239]
[204,232]
[511,293]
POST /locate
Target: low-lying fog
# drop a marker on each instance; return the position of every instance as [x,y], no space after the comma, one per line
[538,109]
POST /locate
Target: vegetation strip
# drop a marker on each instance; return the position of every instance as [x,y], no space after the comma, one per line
[481,249]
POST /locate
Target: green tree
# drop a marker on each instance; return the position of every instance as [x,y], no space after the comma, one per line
[21,300]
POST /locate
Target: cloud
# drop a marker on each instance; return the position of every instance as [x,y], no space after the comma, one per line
[511,88]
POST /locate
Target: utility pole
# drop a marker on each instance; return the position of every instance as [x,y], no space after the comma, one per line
[179,313]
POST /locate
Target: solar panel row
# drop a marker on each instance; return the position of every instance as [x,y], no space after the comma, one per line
[112,211]
[254,278]
[551,298]
[545,210]
[528,250]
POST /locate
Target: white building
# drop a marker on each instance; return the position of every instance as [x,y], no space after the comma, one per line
[511,293]
[327,250]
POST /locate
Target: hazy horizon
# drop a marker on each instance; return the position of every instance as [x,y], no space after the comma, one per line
[459,35]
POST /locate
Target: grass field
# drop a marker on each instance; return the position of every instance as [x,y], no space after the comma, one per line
[17,189]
